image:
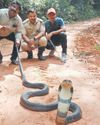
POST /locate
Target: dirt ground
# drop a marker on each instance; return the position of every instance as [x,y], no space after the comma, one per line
[82,68]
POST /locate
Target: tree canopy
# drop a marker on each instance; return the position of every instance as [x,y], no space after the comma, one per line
[69,10]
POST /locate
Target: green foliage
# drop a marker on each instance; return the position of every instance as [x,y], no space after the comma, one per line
[96,6]
[84,8]
[40,8]
[64,9]
[69,10]
[4,3]
[43,5]
[97,47]
[26,4]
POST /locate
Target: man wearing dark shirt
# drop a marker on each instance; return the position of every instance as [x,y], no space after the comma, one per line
[55,33]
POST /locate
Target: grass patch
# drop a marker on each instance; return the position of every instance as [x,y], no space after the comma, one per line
[97,47]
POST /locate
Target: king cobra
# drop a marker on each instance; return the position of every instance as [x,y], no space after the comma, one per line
[43,89]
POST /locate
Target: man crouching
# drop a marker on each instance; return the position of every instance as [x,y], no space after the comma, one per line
[34,37]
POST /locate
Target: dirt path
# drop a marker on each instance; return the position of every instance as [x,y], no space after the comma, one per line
[85,78]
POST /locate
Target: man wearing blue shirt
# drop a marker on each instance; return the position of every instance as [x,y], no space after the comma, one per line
[55,33]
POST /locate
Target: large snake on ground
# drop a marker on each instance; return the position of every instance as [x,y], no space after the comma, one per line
[43,89]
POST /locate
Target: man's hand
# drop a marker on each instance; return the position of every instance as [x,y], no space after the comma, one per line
[48,36]
[5,30]
[17,42]
[31,42]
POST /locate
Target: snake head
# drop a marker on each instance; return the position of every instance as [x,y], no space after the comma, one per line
[66,84]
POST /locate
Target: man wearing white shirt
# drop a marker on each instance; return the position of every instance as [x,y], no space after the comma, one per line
[11,28]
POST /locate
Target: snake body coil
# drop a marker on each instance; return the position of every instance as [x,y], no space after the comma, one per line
[43,89]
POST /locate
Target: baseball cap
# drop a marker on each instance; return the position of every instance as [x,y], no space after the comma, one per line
[51,10]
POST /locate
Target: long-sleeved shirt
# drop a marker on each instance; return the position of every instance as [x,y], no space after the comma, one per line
[11,22]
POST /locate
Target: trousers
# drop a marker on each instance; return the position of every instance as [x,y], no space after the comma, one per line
[14,51]
[57,40]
